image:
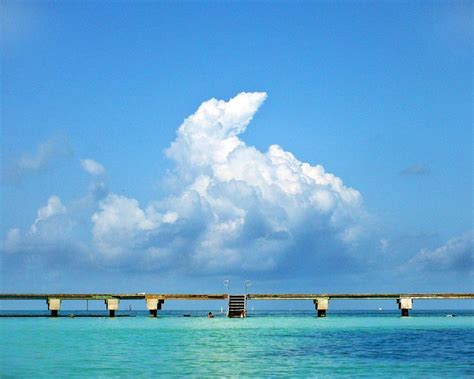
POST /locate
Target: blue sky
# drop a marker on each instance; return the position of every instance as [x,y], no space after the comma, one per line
[377,94]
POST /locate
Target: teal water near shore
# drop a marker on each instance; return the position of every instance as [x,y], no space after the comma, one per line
[269,344]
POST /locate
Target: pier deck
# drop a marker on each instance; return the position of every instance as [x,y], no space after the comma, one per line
[285,296]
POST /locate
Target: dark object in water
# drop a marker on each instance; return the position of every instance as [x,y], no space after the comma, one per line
[186,315]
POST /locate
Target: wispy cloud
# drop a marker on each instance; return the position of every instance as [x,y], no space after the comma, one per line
[53,208]
[46,153]
[457,254]
[92,167]
[50,240]
[415,170]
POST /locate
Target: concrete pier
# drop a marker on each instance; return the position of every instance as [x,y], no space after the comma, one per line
[112,306]
[54,305]
[405,304]
[154,305]
[155,300]
[321,304]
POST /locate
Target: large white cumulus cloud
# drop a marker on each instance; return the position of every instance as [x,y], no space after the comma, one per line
[237,207]
[119,224]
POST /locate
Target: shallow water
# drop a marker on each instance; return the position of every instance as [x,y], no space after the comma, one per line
[269,344]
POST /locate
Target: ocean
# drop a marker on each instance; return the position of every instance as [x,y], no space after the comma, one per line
[265,344]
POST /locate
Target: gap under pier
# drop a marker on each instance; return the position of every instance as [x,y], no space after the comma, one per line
[154,301]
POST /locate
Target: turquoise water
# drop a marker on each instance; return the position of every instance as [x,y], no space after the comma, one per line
[271,344]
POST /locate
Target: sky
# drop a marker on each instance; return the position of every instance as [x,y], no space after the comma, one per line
[167,146]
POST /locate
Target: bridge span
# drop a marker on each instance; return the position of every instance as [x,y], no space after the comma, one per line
[237,303]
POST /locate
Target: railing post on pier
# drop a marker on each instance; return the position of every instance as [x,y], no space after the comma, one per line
[153,305]
[112,305]
[405,304]
[321,304]
[54,305]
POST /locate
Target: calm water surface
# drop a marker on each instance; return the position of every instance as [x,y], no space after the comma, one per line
[274,344]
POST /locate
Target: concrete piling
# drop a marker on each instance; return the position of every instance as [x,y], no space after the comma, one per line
[54,305]
[405,304]
[112,306]
[153,305]
[321,305]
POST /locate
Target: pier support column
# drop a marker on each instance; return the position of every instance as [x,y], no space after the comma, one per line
[153,305]
[53,306]
[112,305]
[321,304]
[405,304]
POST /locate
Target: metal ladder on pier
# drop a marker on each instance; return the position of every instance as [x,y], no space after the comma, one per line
[237,306]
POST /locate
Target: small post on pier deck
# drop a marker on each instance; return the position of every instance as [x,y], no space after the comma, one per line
[405,304]
[321,304]
[153,305]
[53,306]
[112,305]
